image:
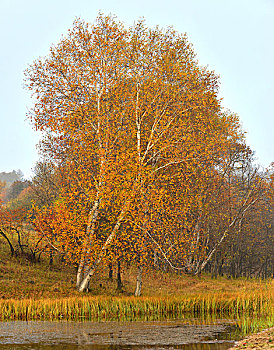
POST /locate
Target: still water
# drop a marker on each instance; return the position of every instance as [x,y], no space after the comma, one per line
[166,335]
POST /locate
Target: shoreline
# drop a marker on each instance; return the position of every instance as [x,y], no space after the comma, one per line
[261,340]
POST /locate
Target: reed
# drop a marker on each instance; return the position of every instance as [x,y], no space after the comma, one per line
[107,307]
[254,324]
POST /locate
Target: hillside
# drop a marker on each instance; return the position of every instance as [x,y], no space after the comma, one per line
[19,279]
[11,177]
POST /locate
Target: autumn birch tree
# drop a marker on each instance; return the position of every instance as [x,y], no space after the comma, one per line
[125,113]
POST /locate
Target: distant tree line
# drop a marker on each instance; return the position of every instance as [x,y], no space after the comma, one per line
[10,177]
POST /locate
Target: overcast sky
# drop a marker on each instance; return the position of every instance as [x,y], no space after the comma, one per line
[233,37]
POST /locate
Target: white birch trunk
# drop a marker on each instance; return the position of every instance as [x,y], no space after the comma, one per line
[85,282]
[138,289]
[79,276]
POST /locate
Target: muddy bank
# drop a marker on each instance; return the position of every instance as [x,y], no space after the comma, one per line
[262,340]
[118,335]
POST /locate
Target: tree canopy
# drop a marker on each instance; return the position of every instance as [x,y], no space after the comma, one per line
[136,129]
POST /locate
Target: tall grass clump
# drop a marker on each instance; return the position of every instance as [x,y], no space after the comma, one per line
[107,307]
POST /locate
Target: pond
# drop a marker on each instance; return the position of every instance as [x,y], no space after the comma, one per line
[114,335]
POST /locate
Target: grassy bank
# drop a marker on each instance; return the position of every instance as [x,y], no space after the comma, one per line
[105,307]
[20,279]
[40,291]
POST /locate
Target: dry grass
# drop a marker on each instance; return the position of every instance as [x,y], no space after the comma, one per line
[37,291]
[20,279]
[163,284]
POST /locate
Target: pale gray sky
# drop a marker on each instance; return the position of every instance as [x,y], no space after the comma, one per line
[232,37]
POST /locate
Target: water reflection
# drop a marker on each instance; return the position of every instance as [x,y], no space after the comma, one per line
[112,335]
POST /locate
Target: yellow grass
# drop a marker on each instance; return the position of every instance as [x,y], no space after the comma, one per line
[19,279]
[106,307]
[36,291]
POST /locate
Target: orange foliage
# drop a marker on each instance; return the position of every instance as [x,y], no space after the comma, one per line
[136,127]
